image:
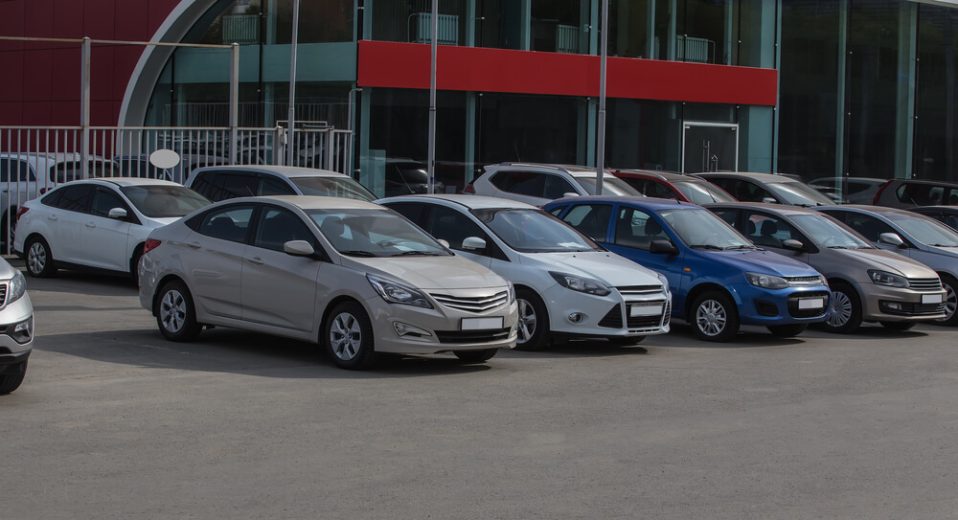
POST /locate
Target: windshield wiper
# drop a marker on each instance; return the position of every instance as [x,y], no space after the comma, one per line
[358,253]
[743,246]
[418,253]
[943,245]
[710,247]
[839,247]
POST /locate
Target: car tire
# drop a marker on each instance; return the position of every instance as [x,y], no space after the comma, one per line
[533,325]
[787,331]
[714,317]
[39,259]
[951,301]
[176,313]
[898,325]
[13,377]
[135,265]
[348,337]
[476,356]
[846,310]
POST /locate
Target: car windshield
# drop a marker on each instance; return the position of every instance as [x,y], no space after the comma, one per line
[534,231]
[343,187]
[702,229]
[374,233]
[702,192]
[610,186]
[798,194]
[927,231]
[828,233]
[164,201]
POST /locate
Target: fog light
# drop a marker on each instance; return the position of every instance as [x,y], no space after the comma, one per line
[576,317]
[406,330]
[894,306]
[23,331]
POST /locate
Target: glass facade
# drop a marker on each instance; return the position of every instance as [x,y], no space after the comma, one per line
[936,107]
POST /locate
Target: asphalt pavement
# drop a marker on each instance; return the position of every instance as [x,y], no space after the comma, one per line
[115,422]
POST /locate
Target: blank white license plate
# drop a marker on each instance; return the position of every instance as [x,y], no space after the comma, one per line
[481,323]
[645,310]
[811,303]
[931,298]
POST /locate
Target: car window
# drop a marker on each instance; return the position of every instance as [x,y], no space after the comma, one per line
[52,199]
[278,226]
[12,170]
[521,183]
[730,216]
[224,185]
[769,231]
[951,197]
[636,228]
[702,192]
[920,194]
[747,191]
[270,185]
[659,190]
[104,200]
[230,223]
[556,187]
[867,226]
[591,219]
[414,211]
[333,186]
[951,220]
[76,198]
[453,227]
[164,201]
[610,186]
[702,229]
[534,231]
[374,233]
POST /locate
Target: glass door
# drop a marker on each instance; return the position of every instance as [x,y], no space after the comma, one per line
[709,147]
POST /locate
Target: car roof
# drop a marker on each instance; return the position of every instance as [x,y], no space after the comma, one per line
[651,203]
[934,208]
[775,208]
[53,157]
[469,201]
[307,202]
[763,177]
[658,174]
[285,171]
[575,170]
[866,208]
[927,183]
[132,181]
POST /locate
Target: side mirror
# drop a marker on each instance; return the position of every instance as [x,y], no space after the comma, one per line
[118,213]
[662,246]
[473,244]
[793,245]
[769,200]
[892,239]
[298,248]
[570,194]
[443,242]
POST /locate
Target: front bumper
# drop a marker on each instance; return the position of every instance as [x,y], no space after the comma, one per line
[881,303]
[789,306]
[611,316]
[15,346]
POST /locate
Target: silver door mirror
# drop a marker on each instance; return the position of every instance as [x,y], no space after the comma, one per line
[117,213]
[443,242]
[473,244]
[891,239]
[298,248]
[769,200]
[793,245]
[570,194]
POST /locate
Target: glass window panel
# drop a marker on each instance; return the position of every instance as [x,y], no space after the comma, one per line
[527,128]
[936,95]
[557,26]
[629,28]
[409,21]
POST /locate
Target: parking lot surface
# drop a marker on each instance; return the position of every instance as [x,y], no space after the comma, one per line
[115,422]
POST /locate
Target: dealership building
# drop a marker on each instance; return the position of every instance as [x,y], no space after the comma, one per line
[818,88]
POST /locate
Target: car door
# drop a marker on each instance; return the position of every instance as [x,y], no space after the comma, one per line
[632,236]
[770,231]
[68,224]
[215,266]
[106,240]
[454,227]
[278,289]
[867,226]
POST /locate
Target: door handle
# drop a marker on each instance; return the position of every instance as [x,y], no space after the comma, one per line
[90,225]
[256,260]
[194,245]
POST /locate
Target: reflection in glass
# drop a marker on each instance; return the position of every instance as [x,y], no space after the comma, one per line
[936,96]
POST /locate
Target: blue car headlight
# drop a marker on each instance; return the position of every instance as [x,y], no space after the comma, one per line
[581,284]
[394,292]
[887,279]
[766,281]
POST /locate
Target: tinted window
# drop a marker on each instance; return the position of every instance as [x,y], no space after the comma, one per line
[921,194]
[453,227]
[702,192]
[522,183]
[869,227]
[164,201]
[610,186]
[270,185]
[556,187]
[52,199]
[230,223]
[374,233]
[278,226]
[223,185]
[591,220]
[700,228]
[746,191]
[659,190]
[413,211]
[637,229]
[104,200]
[12,170]
[533,231]
[76,198]
[769,231]
[730,216]
[338,186]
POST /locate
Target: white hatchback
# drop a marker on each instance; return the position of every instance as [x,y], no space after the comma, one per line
[98,224]
[566,284]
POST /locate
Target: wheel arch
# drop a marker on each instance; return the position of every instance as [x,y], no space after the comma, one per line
[343,298]
[703,288]
[159,285]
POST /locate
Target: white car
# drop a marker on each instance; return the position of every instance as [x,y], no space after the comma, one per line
[540,184]
[16,327]
[566,284]
[100,224]
[219,183]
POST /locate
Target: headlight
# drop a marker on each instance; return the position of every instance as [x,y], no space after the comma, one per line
[886,278]
[512,292]
[766,281]
[664,280]
[394,292]
[17,288]
[580,284]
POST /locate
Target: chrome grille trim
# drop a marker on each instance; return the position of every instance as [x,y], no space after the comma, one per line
[925,284]
[3,294]
[472,304]
[798,281]
[633,290]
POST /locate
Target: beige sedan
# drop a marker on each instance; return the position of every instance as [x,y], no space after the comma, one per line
[355,277]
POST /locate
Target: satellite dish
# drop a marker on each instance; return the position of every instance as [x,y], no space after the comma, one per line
[164,159]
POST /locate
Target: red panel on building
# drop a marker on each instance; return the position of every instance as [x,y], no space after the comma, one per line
[406,65]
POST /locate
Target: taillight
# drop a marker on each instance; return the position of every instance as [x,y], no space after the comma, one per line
[20,211]
[150,245]
[469,189]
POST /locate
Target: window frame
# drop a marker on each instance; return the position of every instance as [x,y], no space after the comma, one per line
[196,223]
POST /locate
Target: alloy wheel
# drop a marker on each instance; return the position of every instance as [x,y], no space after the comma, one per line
[951,302]
[711,318]
[37,258]
[173,311]
[841,310]
[527,321]
[345,336]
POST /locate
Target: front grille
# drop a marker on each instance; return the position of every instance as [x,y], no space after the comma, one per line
[631,290]
[3,294]
[471,336]
[612,319]
[914,309]
[925,284]
[796,281]
[472,304]
[807,313]
[650,322]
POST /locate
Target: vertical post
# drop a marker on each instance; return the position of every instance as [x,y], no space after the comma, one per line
[840,113]
[651,51]
[907,72]
[434,46]
[86,54]
[293,61]
[600,146]
[234,102]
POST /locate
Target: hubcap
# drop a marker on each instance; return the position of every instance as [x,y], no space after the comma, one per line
[345,336]
[841,310]
[527,321]
[173,311]
[711,318]
[951,302]
[37,258]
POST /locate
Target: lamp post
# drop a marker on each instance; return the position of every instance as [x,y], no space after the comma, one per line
[434,46]
[293,59]
[600,153]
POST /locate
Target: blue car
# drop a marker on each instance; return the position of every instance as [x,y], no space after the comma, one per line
[719,279]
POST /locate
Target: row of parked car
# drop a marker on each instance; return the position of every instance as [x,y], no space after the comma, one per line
[527,258]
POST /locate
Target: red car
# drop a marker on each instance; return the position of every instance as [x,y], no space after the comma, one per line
[668,185]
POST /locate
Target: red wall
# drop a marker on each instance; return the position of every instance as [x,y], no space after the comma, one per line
[41,81]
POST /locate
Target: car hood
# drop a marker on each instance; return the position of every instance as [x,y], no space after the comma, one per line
[762,262]
[945,251]
[604,266]
[7,271]
[430,272]
[888,261]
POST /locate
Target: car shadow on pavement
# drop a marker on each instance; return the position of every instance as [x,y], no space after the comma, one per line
[869,332]
[579,348]
[230,351]
[90,284]
[682,336]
